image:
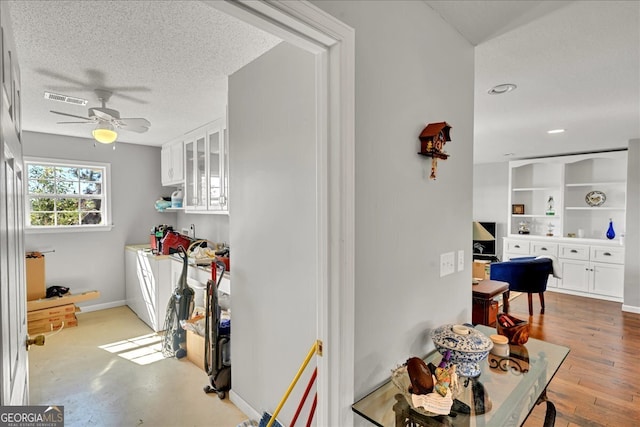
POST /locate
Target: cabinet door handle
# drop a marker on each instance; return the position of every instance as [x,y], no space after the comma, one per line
[573,251]
[607,254]
[543,249]
[516,246]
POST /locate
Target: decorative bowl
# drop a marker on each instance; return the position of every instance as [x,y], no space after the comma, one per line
[466,346]
[516,330]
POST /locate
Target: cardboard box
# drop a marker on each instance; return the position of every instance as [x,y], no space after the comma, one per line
[480,269]
[47,313]
[195,349]
[51,325]
[36,287]
[63,300]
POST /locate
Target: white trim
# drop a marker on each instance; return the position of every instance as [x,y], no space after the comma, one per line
[106,305]
[584,294]
[105,196]
[308,27]
[630,309]
[68,229]
[244,406]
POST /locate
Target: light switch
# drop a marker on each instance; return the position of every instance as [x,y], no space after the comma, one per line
[460,260]
[447,261]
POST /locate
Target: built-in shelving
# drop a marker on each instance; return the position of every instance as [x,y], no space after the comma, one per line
[567,180]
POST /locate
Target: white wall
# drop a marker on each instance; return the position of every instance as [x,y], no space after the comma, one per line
[214,227]
[632,232]
[412,69]
[272,225]
[491,197]
[95,260]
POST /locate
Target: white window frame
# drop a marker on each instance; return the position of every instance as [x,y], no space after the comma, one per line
[106,196]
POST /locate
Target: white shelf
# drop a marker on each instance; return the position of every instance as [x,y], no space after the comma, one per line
[568,179]
[595,208]
[536,189]
[534,216]
[596,184]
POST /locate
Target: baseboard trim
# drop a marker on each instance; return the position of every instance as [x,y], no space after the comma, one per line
[244,406]
[630,309]
[584,294]
[106,305]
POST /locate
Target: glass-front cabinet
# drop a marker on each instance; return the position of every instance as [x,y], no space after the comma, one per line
[206,156]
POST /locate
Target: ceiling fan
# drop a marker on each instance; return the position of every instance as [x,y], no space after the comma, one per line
[108,120]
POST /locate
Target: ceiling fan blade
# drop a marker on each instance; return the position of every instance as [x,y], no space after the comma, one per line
[71,115]
[134,124]
[64,123]
[102,115]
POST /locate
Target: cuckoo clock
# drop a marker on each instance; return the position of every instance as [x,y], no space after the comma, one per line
[432,141]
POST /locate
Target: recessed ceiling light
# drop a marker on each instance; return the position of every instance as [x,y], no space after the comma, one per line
[502,88]
[555,131]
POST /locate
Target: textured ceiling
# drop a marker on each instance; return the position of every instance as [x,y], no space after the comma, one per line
[166,61]
[576,65]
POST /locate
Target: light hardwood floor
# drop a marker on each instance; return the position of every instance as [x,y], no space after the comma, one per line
[599,382]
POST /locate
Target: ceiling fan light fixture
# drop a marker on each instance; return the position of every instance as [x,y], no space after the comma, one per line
[502,89]
[104,134]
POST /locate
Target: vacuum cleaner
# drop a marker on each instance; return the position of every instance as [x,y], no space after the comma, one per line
[179,308]
[217,338]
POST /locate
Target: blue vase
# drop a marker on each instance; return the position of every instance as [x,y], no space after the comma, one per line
[610,232]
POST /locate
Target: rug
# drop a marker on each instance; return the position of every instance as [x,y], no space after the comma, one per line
[512,295]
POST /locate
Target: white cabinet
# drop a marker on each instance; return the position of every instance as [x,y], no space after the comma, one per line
[172,163]
[207,169]
[147,285]
[596,278]
[568,180]
[587,267]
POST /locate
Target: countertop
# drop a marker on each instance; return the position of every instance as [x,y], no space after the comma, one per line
[147,249]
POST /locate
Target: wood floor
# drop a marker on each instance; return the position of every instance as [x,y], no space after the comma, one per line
[599,382]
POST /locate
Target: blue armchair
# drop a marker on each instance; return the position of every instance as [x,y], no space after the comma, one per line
[526,274]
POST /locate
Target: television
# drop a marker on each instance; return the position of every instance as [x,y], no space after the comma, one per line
[486,249]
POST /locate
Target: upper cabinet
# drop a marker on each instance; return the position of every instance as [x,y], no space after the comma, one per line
[569,196]
[172,163]
[207,169]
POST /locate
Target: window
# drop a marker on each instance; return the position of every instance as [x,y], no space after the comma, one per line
[66,195]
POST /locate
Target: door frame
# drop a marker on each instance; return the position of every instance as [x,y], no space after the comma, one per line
[304,25]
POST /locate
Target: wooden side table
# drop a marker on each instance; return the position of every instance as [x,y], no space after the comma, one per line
[483,294]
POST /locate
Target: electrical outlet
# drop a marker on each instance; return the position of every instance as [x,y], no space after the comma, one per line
[447,261]
[460,260]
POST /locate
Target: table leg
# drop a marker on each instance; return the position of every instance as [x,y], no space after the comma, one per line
[550,414]
[505,301]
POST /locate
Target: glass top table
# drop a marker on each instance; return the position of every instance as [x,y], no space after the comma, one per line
[503,395]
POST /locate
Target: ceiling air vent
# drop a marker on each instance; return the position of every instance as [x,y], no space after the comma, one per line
[64,98]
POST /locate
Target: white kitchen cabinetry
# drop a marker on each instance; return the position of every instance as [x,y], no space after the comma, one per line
[588,267]
[207,169]
[568,180]
[172,163]
[147,285]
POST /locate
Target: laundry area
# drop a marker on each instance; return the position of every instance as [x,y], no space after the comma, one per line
[180,286]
